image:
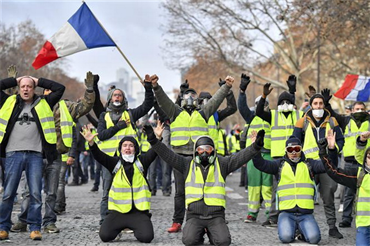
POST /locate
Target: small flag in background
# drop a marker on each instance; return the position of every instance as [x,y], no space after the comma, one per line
[81,32]
[355,88]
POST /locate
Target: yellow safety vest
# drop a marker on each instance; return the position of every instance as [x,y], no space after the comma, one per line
[213,130]
[43,112]
[281,129]
[122,194]
[212,190]
[66,124]
[363,200]
[65,157]
[295,189]
[221,149]
[110,146]
[234,144]
[310,148]
[351,133]
[187,127]
[145,146]
[256,125]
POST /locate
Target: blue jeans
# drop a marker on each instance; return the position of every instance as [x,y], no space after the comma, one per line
[363,236]
[288,223]
[15,163]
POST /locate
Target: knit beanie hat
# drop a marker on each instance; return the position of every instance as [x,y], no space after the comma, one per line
[132,140]
[285,96]
[316,96]
[292,141]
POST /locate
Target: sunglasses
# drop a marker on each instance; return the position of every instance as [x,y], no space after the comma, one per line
[292,149]
[204,148]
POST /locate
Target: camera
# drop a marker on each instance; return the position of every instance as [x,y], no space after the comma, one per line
[25,119]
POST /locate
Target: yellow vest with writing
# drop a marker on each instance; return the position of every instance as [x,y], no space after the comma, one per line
[295,189]
[122,194]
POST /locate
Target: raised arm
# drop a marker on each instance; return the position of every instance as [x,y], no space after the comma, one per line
[57,90]
[148,103]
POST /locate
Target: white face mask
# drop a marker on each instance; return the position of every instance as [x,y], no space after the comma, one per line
[285,107]
[116,104]
[318,113]
[295,159]
[128,158]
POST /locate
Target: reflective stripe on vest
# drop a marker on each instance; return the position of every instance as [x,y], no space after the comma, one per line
[110,146]
[145,146]
[46,118]
[212,191]
[363,201]
[213,130]
[295,189]
[66,124]
[122,194]
[5,113]
[281,130]
[234,144]
[310,148]
[187,127]
[256,125]
[65,157]
[221,148]
[351,132]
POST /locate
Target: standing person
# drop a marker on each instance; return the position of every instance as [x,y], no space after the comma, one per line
[282,122]
[27,132]
[295,191]
[259,183]
[129,194]
[65,112]
[188,122]
[358,180]
[309,129]
[205,196]
[116,122]
[357,122]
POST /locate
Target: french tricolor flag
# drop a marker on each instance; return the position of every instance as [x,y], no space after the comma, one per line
[81,32]
[355,88]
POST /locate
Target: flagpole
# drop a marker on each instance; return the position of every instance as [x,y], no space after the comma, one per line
[120,51]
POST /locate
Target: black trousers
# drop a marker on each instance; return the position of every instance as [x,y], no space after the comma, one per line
[137,221]
[217,231]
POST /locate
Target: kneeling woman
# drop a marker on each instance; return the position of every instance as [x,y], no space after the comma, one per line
[129,195]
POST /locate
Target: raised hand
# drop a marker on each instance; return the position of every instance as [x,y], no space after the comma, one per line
[244,82]
[89,80]
[253,136]
[154,79]
[88,135]
[159,129]
[184,86]
[221,82]
[365,136]
[267,90]
[311,91]
[229,81]
[292,83]
[326,94]
[259,139]
[331,139]
[12,71]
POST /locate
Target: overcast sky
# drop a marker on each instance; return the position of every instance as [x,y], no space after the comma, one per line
[133,25]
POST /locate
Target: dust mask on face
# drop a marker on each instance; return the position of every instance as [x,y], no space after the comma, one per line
[128,158]
[318,113]
[116,104]
[285,107]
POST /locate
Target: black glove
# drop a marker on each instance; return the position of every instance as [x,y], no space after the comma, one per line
[326,94]
[323,144]
[184,86]
[147,85]
[266,89]
[152,139]
[122,124]
[221,82]
[244,82]
[311,91]
[258,144]
[292,83]
[96,79]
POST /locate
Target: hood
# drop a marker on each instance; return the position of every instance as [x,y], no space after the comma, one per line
[207,139]
[133,140]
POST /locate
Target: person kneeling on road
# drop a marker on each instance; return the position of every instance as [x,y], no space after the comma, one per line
[129,195]
[205,173]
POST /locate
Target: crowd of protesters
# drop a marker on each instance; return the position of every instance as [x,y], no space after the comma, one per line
[289,156]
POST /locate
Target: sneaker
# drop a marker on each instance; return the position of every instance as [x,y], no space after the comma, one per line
[35,235]
[335,233]
[271,224]
[250,219]
[59,211]
[4,235]
[19,227]
[166,193]
[51,228]
[340,210]
[127,231]
[345,223]
[94,189]
[176,227]
[154,192]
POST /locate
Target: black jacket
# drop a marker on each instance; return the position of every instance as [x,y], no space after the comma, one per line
[49,150]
